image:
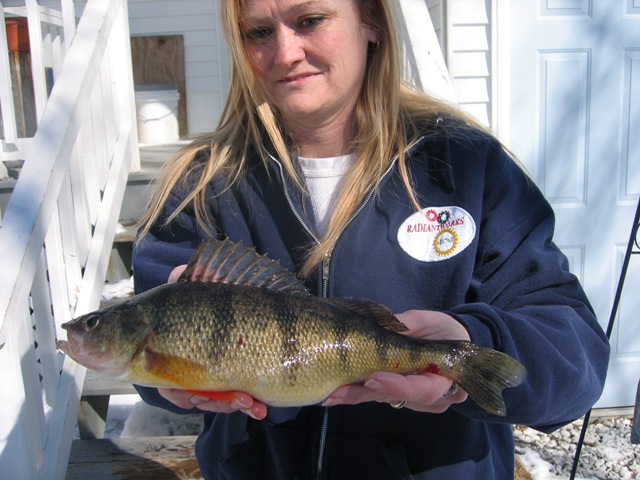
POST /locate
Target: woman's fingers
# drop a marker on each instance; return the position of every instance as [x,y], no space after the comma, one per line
[242,402]
[424,392]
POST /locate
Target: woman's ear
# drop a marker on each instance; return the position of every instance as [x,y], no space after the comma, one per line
[368,18]
[373,35]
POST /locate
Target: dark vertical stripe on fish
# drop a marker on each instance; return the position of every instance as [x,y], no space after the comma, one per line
[287,320]
[341,334]
[383,346]
[222,317]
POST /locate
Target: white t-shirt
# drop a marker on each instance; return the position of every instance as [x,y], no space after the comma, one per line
[325,177]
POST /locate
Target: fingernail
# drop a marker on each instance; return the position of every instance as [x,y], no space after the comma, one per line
[452,391]
[328,402]
[241,405]
[373,384]
[248,412]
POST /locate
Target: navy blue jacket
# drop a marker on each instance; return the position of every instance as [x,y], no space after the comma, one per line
[487,259]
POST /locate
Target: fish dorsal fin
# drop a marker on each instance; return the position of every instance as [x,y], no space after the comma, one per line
[375,311]
[228,262]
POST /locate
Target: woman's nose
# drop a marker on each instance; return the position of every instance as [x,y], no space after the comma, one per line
[289,47]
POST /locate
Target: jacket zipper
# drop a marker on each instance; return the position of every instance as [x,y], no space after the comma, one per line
[325,280]
[326,266]
[323,442]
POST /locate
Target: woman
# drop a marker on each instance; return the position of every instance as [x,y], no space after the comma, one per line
[328,162]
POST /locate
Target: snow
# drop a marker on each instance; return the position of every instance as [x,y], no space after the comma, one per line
[121,289]
[129,416]
[538,468]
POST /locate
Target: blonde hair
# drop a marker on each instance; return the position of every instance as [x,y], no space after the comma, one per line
[389,116]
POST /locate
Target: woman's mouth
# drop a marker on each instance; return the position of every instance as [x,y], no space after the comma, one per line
[292,79]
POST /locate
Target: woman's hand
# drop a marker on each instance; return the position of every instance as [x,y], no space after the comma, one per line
[425,392]
[175,273]
[243,402]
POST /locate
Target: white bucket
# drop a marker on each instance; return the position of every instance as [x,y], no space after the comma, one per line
[157,110]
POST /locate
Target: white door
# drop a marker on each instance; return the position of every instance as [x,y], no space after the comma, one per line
[575,124]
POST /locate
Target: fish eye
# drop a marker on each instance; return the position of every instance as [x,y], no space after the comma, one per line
[91,322]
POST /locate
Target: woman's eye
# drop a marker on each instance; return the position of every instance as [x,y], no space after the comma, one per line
[258,34]
[311,22]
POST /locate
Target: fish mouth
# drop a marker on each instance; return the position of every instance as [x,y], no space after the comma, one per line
[64,346]
[67,348]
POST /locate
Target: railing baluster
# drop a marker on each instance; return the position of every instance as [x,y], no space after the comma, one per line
[37,57]
[44,332]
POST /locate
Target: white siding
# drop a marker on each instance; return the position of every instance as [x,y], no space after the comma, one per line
[206,61]
[468,47]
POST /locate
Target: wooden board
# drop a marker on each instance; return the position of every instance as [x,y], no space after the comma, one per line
[23,95]
[134,458]
[96,385]
[160,59]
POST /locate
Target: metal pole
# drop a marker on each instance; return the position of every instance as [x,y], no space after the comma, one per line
[614,311]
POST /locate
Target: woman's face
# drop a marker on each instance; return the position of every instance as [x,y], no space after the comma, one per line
[309,57]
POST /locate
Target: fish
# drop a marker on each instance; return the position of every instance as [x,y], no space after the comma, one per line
[238,321]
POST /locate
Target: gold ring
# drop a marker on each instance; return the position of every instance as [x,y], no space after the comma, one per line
[452,391]
[399,404]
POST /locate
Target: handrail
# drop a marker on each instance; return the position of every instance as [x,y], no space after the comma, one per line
[57,234]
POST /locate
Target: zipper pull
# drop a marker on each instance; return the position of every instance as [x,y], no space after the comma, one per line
[325,268]
[325,274]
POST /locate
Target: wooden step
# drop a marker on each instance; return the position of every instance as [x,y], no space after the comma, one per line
[94,404]
[138,458]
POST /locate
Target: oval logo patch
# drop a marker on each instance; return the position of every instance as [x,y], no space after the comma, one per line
[436,233]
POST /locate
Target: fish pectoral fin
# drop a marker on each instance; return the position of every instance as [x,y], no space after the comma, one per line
[372,310]
[179,371]
[175,369]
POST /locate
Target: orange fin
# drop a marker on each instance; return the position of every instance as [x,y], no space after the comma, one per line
[228,262]
[175,369]
[222,396]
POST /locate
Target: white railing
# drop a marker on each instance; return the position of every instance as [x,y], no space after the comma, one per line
[59,224]
[423,59]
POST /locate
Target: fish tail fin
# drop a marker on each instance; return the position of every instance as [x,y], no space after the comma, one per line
[486,374]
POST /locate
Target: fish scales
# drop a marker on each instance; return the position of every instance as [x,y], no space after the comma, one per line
[270,344]
[281,345]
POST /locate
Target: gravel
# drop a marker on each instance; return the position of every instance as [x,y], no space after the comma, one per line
[607,453]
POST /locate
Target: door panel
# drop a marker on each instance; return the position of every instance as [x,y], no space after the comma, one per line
[575,103]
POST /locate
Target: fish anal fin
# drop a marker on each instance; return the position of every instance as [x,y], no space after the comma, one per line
[222,396]
[372,310]
[177,370]
[228,262]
